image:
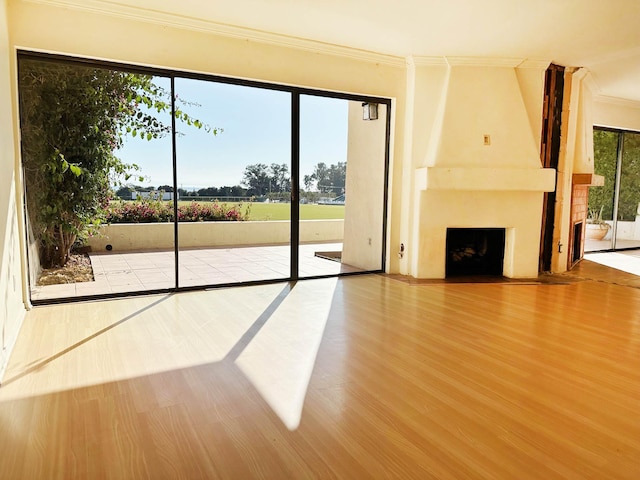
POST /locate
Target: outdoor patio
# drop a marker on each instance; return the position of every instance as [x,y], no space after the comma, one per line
[151,270]
[591,245]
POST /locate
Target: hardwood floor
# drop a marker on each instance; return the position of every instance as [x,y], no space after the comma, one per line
[362,377]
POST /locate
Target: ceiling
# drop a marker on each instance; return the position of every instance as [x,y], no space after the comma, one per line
[603,36]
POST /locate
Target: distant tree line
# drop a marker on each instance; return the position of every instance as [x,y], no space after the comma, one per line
[327,179]
[264,181]
[125,191]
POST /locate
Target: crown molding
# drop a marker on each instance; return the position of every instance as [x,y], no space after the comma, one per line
[483,62]
[616,101]
[420,61]
[121,10]
[426,61]
[534,63]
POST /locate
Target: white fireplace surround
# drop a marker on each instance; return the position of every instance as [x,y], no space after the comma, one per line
[487,179]
[482,168]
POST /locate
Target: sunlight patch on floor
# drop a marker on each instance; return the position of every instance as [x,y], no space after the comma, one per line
[619,261]
[83,344]
[279,360]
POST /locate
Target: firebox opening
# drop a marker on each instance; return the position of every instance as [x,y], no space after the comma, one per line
[577,242]
[475,251]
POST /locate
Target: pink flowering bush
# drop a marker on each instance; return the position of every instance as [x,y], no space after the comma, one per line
[156,211]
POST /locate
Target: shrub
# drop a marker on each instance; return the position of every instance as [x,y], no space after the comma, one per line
[157,211]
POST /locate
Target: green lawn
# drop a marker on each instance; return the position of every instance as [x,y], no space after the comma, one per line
[281,211]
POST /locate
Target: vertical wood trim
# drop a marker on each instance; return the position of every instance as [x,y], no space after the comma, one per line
[550,153]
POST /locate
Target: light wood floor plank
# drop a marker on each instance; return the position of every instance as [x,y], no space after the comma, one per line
[443,381]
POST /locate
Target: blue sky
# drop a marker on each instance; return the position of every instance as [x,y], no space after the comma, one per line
[257,129]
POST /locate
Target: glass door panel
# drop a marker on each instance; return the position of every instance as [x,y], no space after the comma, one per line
[601,199]
[89,223]
[142,207]
[234,187]
[627,230]
[342,159]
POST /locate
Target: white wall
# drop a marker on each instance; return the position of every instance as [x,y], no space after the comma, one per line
[11,282]
[364,189]
[426,93]
[485,101]
[531,80]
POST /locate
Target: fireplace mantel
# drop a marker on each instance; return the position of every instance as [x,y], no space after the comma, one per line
[486,179]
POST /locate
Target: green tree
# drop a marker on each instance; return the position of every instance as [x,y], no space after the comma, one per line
[280,179]
[605,147]
[124,192]
[337,177]
[629,177]
[327,179]
[256,178]
[73,120]
[235,191]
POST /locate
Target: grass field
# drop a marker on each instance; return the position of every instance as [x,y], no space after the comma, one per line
[282,211]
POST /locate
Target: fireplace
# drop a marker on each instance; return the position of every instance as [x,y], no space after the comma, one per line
[474,251]
[479,170]
[577,244]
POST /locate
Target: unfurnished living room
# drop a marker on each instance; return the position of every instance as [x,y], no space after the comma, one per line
[319,239]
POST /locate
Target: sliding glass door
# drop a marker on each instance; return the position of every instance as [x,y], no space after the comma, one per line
[234,188]
[627,226]
[615,207]
[342,160]
[154,180]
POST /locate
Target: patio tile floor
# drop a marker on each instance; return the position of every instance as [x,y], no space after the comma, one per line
[141,271]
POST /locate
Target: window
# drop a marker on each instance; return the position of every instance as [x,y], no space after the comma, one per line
[615,205]
[159,180]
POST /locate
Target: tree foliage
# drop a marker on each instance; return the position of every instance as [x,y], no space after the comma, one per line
[605,146]
[327,179]
[73,120]
[220,192]
[261,179]
[630,177]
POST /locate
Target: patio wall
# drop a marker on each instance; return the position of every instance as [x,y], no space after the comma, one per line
[145,236]
[627,230]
